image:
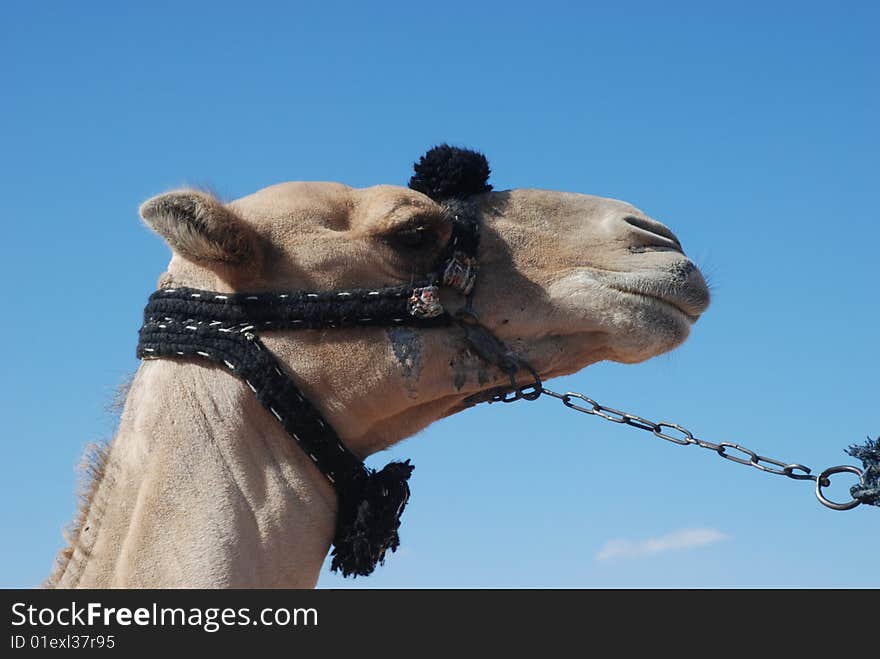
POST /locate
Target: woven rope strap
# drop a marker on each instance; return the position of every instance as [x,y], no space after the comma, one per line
[221,329]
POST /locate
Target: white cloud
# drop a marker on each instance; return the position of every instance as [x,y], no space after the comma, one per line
[681,539]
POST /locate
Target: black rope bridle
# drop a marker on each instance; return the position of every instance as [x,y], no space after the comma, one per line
[224,329]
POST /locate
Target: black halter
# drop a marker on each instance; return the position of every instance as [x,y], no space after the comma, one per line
[224,329]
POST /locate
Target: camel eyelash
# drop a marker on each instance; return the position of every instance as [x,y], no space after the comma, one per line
[412,238]
[419,232]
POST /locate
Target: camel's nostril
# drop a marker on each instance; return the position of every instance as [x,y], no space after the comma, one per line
[654,228]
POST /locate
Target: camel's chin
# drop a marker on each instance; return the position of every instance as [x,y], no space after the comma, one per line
[638,330]
[667,329]
[642,326]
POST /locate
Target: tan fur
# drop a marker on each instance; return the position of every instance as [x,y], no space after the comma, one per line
[202,488]
[91,468]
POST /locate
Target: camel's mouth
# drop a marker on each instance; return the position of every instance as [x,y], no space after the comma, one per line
[679,288]
[683,304]
[640,314]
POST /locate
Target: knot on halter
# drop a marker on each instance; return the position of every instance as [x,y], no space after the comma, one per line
[460,272]
[868,489]
[369,516]
[425,303]
[450,176]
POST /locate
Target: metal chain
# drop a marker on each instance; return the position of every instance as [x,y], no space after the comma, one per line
[677,434]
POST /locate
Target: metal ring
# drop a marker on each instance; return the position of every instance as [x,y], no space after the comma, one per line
[702,443]
[530,391]
[770,470]
[552,394]
[824,481]
[641,423]
[619,418]
[514,394]
[566,400]
[533,390]
[806,476]
[505,396]
[753,457]
[688,435]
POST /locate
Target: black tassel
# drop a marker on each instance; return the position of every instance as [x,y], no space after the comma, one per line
[868,490]
[369,516]
[447,172]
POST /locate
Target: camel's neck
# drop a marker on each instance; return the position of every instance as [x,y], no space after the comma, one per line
[202,488]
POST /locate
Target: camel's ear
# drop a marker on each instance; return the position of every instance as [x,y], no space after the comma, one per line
[200,228]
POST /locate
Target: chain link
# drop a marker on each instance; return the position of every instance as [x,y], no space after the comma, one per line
[673,432]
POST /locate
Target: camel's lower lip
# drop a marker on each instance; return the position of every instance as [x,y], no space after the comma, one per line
[682,305]
[676,285]
[673,288]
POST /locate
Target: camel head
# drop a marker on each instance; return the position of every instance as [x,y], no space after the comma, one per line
[564,279]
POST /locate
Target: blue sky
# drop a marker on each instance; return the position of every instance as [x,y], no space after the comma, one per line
[750,129]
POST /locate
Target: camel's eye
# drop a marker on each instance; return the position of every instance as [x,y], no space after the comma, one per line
[412,238]
[417,235]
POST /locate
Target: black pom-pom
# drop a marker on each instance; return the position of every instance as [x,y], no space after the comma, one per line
[446,171]
[369,516]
